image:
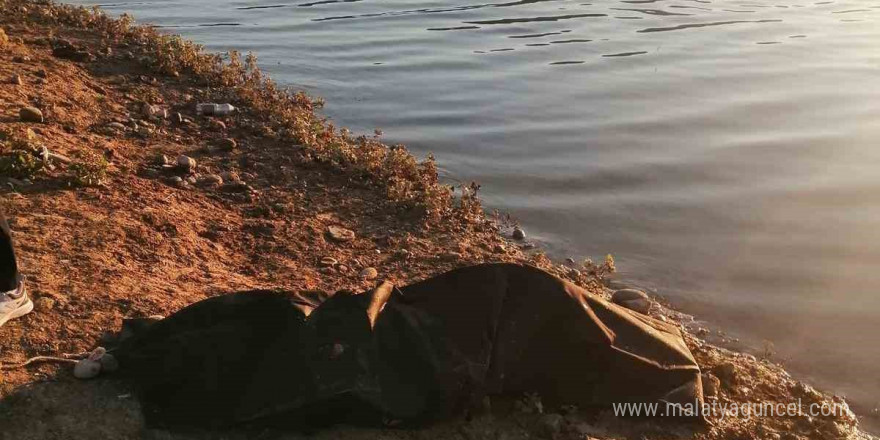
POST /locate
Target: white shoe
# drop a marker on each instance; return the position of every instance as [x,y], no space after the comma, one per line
[14,304]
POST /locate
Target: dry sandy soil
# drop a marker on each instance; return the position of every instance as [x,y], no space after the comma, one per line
[149,239]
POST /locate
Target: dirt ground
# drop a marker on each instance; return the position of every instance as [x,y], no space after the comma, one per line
[148,238]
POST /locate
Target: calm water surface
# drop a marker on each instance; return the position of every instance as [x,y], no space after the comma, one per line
[726,152]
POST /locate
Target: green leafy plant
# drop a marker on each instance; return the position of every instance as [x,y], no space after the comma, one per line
[18,156]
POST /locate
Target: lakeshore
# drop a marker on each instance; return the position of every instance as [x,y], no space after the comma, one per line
[158,207]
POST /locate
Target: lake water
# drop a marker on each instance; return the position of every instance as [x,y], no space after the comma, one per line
[727,153]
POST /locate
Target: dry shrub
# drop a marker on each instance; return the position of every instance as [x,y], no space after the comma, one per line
[600,271]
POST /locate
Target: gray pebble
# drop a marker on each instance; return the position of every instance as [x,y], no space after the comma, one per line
[30,114]
[86,369]
[186,163]
[369,273]
[632,299]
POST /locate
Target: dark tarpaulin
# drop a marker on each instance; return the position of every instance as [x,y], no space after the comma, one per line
[416,353]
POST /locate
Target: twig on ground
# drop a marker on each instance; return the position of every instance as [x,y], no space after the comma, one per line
[65,359]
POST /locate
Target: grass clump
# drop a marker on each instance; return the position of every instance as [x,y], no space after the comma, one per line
[90,169]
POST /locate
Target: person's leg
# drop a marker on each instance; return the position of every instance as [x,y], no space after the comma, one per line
[14,301]
[9,276]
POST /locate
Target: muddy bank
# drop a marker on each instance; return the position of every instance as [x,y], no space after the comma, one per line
[126,202]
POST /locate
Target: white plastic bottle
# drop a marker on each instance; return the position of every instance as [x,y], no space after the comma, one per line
[211,109]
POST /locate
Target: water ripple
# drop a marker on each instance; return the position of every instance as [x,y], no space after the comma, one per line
[625,54]
[651,11]
[535,19]
[247,8]
[535,35]
[454,28]
[701,25]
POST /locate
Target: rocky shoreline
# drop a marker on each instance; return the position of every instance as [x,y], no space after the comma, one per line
[128,201]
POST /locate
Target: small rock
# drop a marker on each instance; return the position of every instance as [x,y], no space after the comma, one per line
[499,249]
[21,59]
[109,363]
[327,270]
[177,118]
[328,262]
[86,369]
[176,181]
[45,303]
[30,114]
[238,187]
[726,372]
[711,384]
[551,425]
[152,111]
[117,126]
[4,39]
[16,79]
[340,234]
[518,234]
[569,260]
[230,176]
[144,131]
[42,73]
[186,163]
[369,273]
[227,144]
[628,295]
[211,180]
[633,299]
[451,256]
